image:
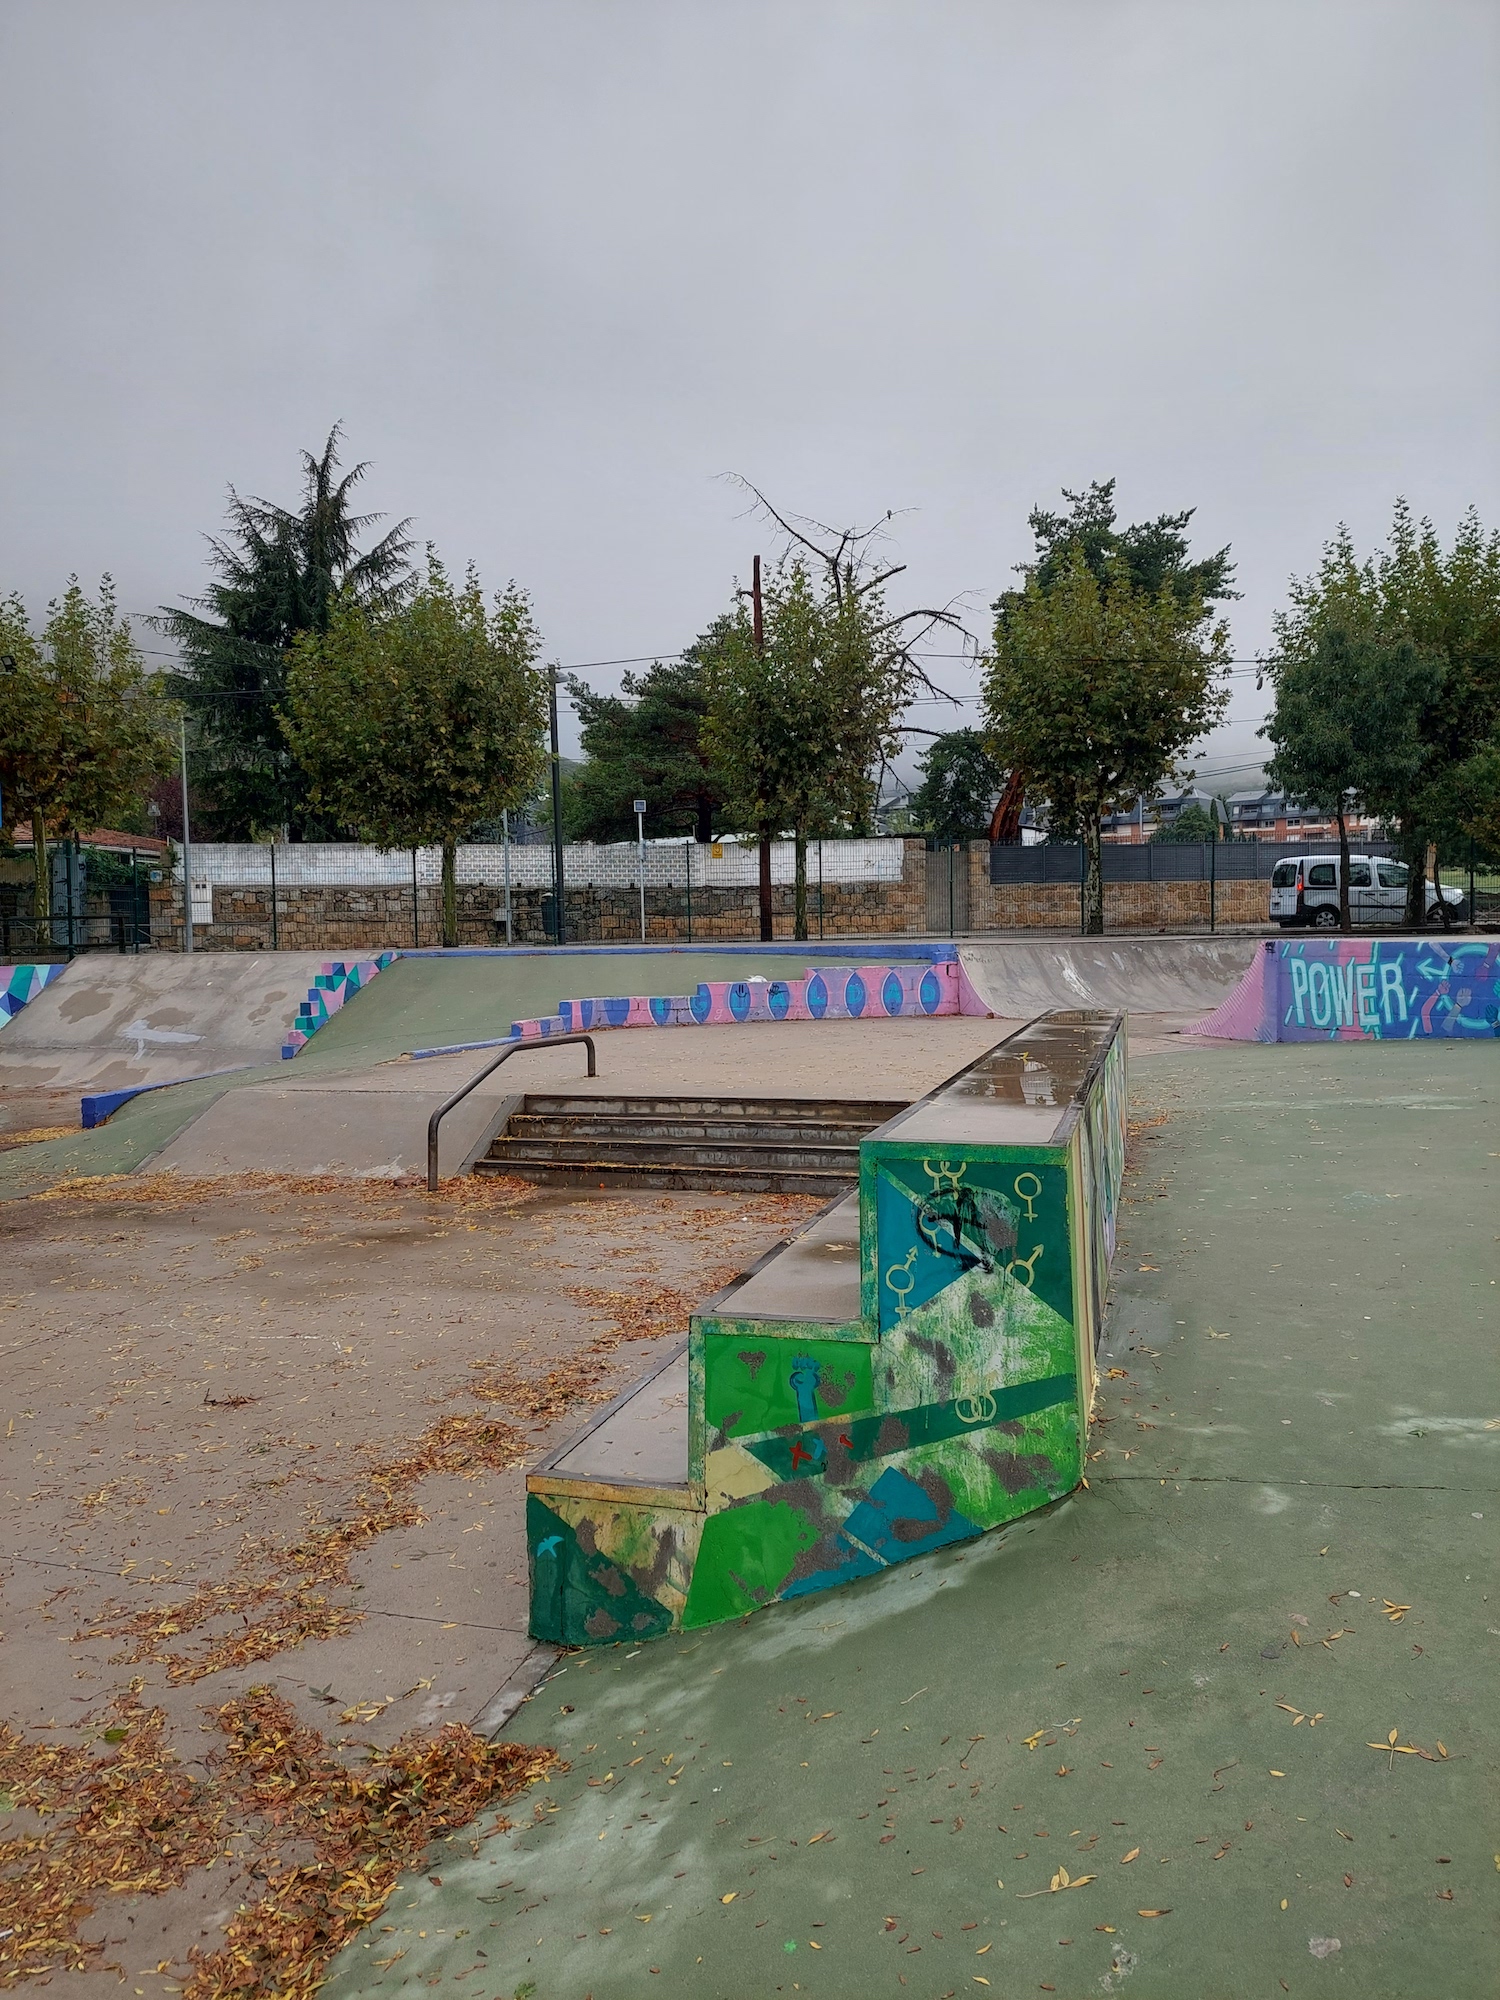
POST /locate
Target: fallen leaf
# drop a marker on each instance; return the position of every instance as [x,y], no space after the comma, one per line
[1124,1858]
[1156,1913]
[730,1897]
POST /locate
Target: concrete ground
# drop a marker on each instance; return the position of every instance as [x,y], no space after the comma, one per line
[374,1120]
[110,1020]
[198,1376]
[1220,1727]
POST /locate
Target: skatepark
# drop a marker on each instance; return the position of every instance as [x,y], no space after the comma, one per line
[1163,1671]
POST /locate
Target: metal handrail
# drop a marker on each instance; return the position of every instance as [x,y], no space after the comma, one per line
[551,1042]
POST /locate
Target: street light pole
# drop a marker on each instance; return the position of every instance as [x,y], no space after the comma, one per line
[640,848]
[187,845]
[559,925]
[505,831]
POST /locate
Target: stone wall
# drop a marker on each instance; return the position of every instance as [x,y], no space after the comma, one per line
[340,917]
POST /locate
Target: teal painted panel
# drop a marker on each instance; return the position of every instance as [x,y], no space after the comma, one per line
[579,1597]
[937,1221]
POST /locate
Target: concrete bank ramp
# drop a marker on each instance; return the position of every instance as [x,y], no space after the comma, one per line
[110,1020]
[370,1126]
[1174,975]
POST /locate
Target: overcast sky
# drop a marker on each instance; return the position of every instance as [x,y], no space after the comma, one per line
[559,267]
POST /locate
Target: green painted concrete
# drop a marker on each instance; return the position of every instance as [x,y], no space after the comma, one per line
[419,1002]
[1330,1213]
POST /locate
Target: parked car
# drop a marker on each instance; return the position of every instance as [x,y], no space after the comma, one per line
[1305,890]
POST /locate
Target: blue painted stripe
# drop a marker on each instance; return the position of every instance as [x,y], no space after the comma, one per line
[104,1104]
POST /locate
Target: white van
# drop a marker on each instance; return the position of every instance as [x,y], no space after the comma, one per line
[1305,890]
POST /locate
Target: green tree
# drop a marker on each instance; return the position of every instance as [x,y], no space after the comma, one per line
[959,782]
[1446,602]
[1192,823]
[278,572]
[1095,688]
[647,744]
[415,723]
[1345,729]
[874,653]
[83,727]
[1153,555]
[797,726]
[1464,806]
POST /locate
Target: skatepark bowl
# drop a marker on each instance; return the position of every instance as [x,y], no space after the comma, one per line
[1126,1455]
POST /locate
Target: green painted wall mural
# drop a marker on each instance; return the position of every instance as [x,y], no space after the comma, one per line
[755,1384]
[952,1396]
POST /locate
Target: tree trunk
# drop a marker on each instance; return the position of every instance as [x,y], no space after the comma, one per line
[1093,878]
[799,893]
[1346,922]
[1415,913]
[704,831]
[41,898]
[450,892]
[767,928]
[1437,890]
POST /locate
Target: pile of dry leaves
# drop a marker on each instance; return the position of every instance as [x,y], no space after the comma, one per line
[127,1819]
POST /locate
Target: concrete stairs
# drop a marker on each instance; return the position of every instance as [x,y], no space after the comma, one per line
[745,1145]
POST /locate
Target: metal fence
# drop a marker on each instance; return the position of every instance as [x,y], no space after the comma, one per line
[1186,885]
[358,899]
[1160,860]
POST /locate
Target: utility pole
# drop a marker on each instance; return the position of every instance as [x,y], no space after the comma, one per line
[640,837]
[559,927]
[187,845]
[767,928]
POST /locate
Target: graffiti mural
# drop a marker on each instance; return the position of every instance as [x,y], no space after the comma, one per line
[20,984]
[332,989]
[951,1396]
[1365,989]
[825,993]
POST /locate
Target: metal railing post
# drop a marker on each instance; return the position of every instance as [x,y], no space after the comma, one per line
[551,1042]
[1471,881]
[416,935]
[689,859]
[275,927]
